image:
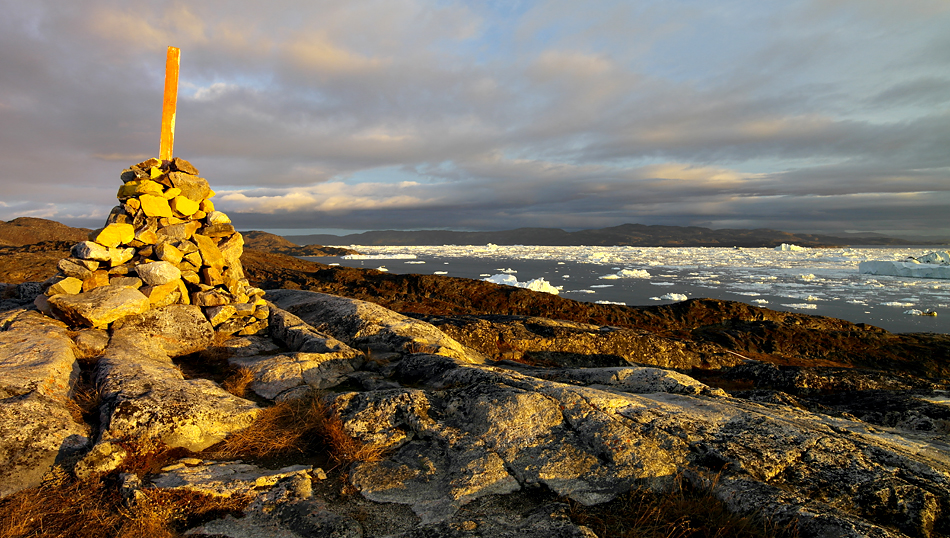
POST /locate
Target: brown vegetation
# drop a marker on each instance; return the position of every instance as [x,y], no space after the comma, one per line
[238,382]
[305,425]
[683,512]
[94,509]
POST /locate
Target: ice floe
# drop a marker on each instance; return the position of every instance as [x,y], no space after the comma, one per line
[538,284]
[384,256]
[814,278]
[627,273]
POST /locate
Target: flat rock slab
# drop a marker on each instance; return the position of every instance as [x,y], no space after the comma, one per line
[145,396]
[99,307]
[642,380]
[36,355]
[226,479]
[37,373]
[367,326]
[178,329]
[315,360]
[591,443]
[35,432]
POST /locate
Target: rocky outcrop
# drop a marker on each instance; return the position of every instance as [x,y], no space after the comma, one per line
[368,326]
[543,341]
[38,371]
[471,447]
[315,360]
[144,394]
[497,429]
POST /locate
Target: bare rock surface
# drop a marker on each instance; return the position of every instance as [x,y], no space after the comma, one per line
[178,329]
[828,475]
[315,360]
[365,325]
[145,395]
[37,373]
[474,447]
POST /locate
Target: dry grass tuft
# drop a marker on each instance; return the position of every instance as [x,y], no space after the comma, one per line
[305,425]
[94,510]
[682,512]
[148,456]
[237,382]
[420,347]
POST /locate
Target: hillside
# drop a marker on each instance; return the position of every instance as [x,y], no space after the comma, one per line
[30,230]
[624,235]
[269,242]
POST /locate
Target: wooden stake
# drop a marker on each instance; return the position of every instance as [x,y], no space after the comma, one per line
[172,62]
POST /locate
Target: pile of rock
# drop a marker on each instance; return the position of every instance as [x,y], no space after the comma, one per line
[163,244]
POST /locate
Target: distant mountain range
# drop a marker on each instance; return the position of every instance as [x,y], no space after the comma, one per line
[639,235]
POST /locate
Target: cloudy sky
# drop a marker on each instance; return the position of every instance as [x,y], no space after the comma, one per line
[801,115]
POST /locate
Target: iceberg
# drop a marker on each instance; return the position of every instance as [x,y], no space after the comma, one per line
[538,284]
[786,246]
[912,269]
[938,257]
[627,273]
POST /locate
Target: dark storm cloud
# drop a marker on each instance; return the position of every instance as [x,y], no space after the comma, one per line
[414,114]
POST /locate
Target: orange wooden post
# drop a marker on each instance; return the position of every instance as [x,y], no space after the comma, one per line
[172,62]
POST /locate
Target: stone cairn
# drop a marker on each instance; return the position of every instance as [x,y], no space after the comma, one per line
[166,242]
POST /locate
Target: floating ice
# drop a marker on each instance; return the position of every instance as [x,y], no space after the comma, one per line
[579,291]
[802,306]
[611,302]
[415,262]
[760,270]
[440,273]
[602,286]
[912,269]
[628,273]
[379,257]
[915,312]
[788,247]
[662,283]
[382,268]
[673,297]
[538,284]
[938,257]
[759,301]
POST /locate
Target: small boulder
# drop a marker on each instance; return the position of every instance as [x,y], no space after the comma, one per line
[99,307]
[157,273]
[113,235]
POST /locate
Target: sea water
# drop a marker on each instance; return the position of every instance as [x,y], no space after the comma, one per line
[819,281]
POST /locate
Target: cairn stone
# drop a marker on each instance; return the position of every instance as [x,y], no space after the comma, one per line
[113,235]
[157,273]
[167,241]
[99,307]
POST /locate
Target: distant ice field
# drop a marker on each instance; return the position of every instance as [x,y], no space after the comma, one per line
[816,281]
